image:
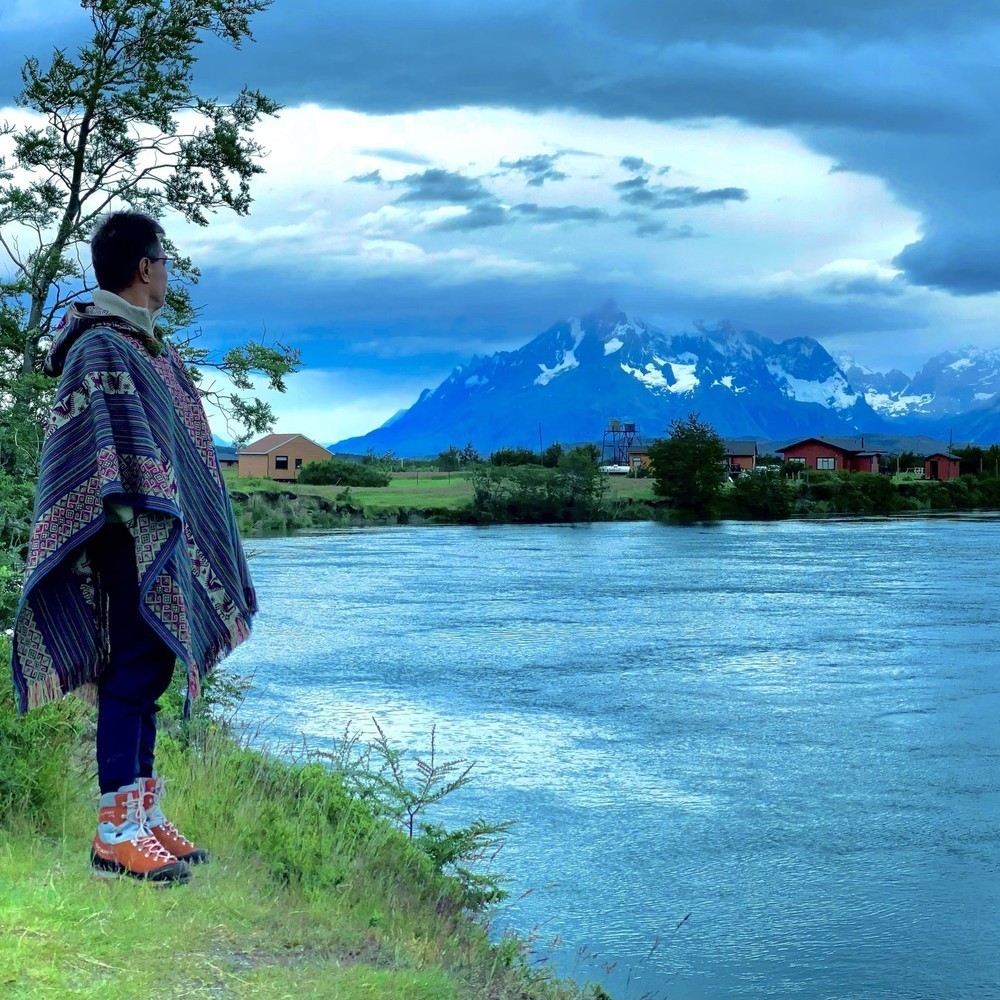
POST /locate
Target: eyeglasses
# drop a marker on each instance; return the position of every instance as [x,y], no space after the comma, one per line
[166,261]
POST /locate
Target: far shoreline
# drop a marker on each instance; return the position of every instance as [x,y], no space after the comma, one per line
[275,510]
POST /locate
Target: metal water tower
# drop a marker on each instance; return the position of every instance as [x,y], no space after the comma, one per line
[619,437]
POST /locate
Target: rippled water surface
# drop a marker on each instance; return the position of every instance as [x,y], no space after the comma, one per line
[788,731]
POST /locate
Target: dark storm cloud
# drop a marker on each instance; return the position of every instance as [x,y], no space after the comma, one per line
[379,316]
[955,184]
[443,186]
[661,231]
[493,214]
[639,192]
[632,185]
[559,213]
[397,156]
[484,210]
[899,89]
[551,55]
[538,169]
[766,21]
[341,321]
[372,177]
[484,216]
[961,259]
[635,165]
[865,286]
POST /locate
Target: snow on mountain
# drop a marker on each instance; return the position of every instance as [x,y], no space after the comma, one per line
[955,381]
[949,384]
[571,379]
[566,360]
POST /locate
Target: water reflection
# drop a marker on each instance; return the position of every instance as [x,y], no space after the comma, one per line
[787,731]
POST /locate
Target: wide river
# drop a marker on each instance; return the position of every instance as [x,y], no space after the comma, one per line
[745,760]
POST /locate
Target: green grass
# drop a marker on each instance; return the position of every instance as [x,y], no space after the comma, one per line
[230,933]
[313,891]
[421,491]
[417,491]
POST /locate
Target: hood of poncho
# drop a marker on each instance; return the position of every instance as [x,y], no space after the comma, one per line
[83,316]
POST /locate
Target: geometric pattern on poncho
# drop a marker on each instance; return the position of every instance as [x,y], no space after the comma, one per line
[127,427]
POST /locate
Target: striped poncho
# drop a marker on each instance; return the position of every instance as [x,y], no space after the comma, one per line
[128,428]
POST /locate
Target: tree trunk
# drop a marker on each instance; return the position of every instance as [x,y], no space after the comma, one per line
[32,334]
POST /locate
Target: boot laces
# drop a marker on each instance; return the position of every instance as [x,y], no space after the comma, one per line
[159,794]
[144,840]
[174,832]
[153,849]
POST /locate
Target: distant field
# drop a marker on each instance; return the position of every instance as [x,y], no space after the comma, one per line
[424,490]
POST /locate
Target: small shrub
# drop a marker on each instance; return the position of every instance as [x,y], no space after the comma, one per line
[340,473]
[515,456]
[765,495]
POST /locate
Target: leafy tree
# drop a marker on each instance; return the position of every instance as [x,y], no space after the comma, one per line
[879,493]
[386,461]
[119,125]
[765,495]
[905,461]
[450,460]
[514,456]
[972,459]
[576,491]
[688,466]
[469,456]
[584,485]
[516,493]
[551,455]
[991,466]
[16,496]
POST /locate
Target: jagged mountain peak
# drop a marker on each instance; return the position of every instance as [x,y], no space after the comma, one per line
[605,363]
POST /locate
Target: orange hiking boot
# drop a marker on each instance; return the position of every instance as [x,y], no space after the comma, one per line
[153,793]
[124,844]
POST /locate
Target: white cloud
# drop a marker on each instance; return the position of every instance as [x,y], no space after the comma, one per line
[325,405]
[310,216]
[799,216]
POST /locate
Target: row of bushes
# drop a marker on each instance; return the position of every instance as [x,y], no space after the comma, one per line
[575,490]
[770,495]
[338,472]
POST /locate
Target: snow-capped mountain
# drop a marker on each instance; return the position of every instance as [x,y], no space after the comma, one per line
[882,390]
[576,375]
[951,383]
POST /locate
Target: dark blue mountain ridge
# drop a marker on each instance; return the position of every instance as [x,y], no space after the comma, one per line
[956,389]
[575,376]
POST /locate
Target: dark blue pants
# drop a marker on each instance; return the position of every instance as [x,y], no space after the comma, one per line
[139,670]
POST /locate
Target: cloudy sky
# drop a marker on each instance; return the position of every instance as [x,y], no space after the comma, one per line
[452,177]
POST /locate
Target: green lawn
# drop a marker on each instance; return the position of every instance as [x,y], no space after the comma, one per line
[425,490]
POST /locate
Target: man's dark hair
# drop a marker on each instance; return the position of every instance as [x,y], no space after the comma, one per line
[118,244]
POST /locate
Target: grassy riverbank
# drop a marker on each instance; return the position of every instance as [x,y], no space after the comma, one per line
[264,506]
[312,892]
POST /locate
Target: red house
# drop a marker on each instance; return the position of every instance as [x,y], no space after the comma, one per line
[941,465]
[832,453]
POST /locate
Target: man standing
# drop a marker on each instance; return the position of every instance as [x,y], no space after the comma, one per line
[134,559]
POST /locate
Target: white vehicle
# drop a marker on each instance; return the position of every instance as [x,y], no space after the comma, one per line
[616,470]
